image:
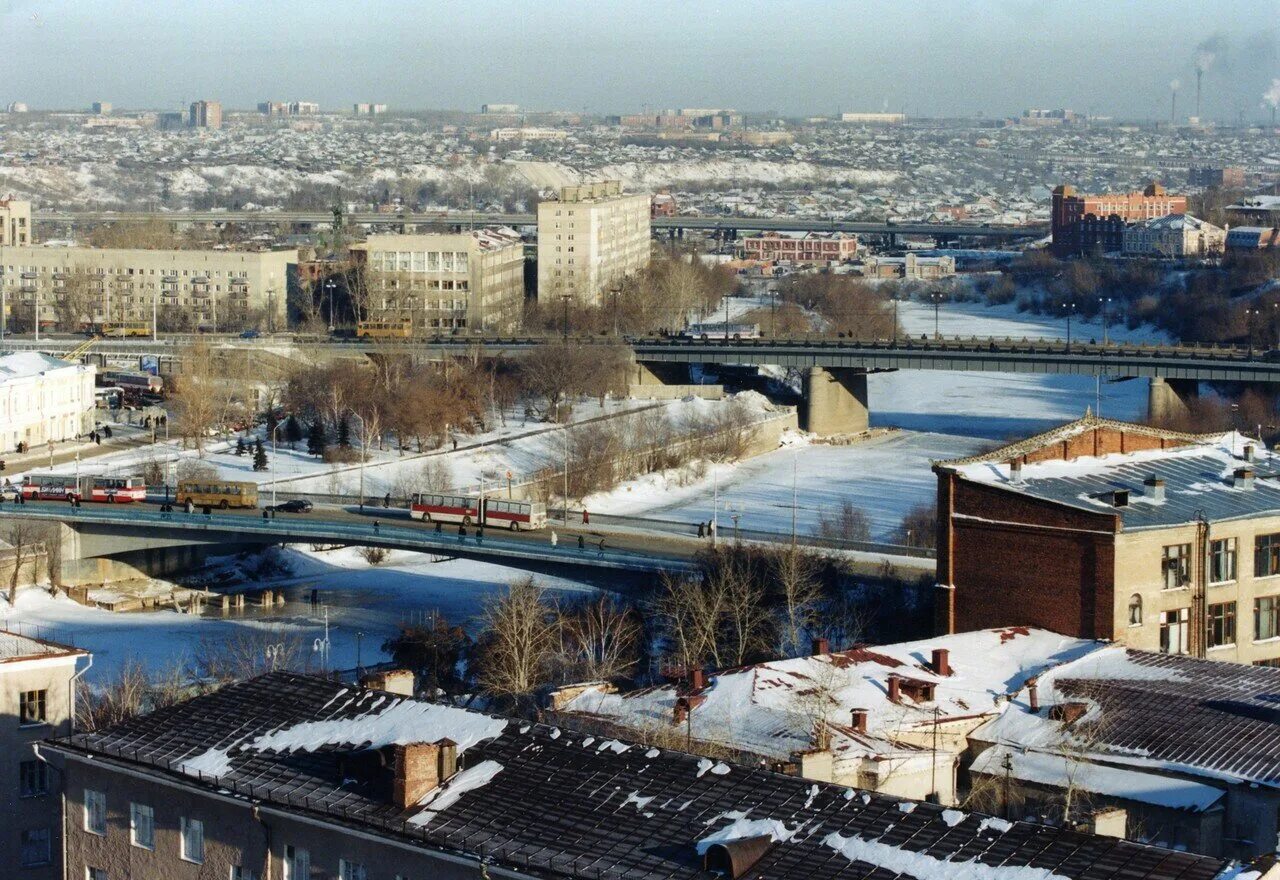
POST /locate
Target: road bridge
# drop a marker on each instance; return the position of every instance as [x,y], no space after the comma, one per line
[835,369]
[727,226]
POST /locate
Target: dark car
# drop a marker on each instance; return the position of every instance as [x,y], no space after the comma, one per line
[250,334]
[294,505]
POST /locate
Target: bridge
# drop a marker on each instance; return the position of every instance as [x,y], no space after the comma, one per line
[727,226]
[835,388]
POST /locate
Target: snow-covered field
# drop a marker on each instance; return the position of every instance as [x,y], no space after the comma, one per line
[976,319]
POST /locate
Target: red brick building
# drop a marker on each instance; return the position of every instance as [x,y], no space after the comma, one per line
[1083,224]
[809,247]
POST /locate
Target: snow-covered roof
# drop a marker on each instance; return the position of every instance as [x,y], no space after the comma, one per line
[769,709]
[1175,223]
[15,646]
[26,364]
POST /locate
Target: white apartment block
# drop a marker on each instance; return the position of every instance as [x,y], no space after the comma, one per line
[589,239]
[78,288]
[15,222]
[43,399]
[446,282]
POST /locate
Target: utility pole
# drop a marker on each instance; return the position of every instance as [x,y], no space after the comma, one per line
[564,298]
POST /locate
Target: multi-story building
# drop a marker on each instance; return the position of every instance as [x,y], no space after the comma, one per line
[1253,238]
[1260,210]
[1083,224]
[1173,236]
[78,287]
[801,247]
[1230,177]
[102,108]
[589,239]
[291,777]
[910,265]
[367,109]
[15,222]
[489,109]
[43,400]
[205,114]
[288,108]
[874,118]
[469,280]
[1154,539]
[37,702]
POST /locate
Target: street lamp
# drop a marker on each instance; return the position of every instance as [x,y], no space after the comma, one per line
[1103,302]
[1249,316]
[937,305]
[1069,307]
[331,286]
[564,427]
[275,463]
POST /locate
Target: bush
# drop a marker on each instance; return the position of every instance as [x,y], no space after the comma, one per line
[847,524]
[374,555]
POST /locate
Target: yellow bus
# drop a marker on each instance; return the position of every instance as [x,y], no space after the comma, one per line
[121,329]
[217,493]
[399,329]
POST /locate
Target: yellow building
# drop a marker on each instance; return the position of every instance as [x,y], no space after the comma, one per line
[441,283]
[589,239]
[15,222]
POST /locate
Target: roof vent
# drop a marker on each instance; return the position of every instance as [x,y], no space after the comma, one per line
[1120,498]
[734,858]
[1155,489]
[1242,478]
[1015,470]
[1250,452]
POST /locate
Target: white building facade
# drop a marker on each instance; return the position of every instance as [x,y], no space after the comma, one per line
[589,239]
[43,399]
[1174,235]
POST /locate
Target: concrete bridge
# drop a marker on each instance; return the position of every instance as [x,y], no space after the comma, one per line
[835,386]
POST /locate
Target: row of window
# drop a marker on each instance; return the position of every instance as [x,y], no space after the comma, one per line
[420,261]
[1220,623]
[1175,564]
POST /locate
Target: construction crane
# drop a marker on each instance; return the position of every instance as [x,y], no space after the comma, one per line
[82,349]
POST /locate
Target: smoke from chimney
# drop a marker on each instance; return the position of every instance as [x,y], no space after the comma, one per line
[1208,50]
[1174,85]
[1271,98]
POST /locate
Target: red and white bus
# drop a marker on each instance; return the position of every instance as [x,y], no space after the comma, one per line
[469,510]
[91,487]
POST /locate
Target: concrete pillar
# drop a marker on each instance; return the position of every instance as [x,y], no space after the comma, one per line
[835,402]
[1170,399]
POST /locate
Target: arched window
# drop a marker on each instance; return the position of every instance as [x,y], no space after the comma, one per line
[1135,610]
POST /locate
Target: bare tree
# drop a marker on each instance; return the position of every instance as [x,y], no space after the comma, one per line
[795,574]
[516,646]
[249,652]
[847,524]
[26,541]
[599,639]
[130,692]
[690,617]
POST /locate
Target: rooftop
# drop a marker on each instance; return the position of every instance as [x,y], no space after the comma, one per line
[15,646]
[1175,223]
[553,803]
[26,364]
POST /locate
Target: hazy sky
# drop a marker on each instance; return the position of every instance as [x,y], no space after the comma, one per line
[794,56]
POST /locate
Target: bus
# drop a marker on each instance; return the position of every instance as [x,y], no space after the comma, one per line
[468,510]
[721,330]
[217,493]
[399,329]
[134,387]
[123,329]
[88,487]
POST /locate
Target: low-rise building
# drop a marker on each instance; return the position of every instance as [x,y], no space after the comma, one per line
[37,702]
[1260,210]
[801,247]
[43,400]
[1174,236]
[874,118]
[590,238]
[1154,539]
[292,776]
[81,287]
[15,222]
[1253,238]
[910,265]
[1081,223]
[446,282]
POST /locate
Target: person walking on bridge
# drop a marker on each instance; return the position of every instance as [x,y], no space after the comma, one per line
[555,540]
[582,544]
[375,525]
[586,517]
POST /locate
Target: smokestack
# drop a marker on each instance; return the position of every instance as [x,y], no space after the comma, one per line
[1155,489]
[1173,110]
[941,661]
[1199,76]
[697,679]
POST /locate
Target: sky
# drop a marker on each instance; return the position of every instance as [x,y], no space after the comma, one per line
[793,57]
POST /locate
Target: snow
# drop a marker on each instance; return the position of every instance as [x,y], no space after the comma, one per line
[638,800]
[953,817]
[442,798]
[214,762]
[1065,771]
[994,823]
[742,827]
[926,867]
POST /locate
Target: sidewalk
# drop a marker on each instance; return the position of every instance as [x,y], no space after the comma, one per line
[124,437]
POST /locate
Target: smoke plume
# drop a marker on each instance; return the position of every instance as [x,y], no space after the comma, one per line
[1271,97]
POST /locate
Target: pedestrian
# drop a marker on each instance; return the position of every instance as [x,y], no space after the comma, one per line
[582,544]
[554,539]
[586,517]
[455,444]
[107,430]
[438,527]
[266,515]
[462,533]
[375,525]
[601,548]
[701,531]
[480,534]
[386,502]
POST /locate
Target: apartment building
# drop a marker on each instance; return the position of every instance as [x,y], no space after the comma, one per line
[205,114]
[1174,236]
[442,283]
[43,400]
[910,265]
[15,222]
[78,287]
[589,239]
[37,702]
[1230,177]
[874,118]
[289,776]
[1158,540]
[1085,224]
[801,247]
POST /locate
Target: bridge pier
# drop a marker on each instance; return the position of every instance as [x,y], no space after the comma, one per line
[1170,399]
[659,380]
[835,401]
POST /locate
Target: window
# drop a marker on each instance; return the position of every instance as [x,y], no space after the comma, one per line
[37,847]
[1174,631]
[1266,617]
[33,707]
[1176,566]
[1135,610]
[1222,561]
[95,811]
[297,864]
[95,874]
[142,826]
[241,873]
[1221,624]
[1266,555]
[33,779]
[192,834]
[351,871]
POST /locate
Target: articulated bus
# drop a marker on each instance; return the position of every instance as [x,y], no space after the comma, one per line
[89,487]
[465,509]
[217,493]
[398,329]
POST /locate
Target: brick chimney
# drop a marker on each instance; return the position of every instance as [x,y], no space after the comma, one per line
[684,706]
[1033,693]
[821,646]
[858,720]
[393,681]
[415,771]
[895,689]
[697,679]
[941,662]
[1154,488]
[1242,478]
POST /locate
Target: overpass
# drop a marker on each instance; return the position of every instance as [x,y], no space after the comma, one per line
[835,387]
[727,226]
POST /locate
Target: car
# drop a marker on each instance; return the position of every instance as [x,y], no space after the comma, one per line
[293,505]
[250,334]
[9,492]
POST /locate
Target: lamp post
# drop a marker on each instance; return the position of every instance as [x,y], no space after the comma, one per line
[1069,307]
[275,462]
[155,314]
[937,305]
[331,286]
[564,298]
[895,315]
[1103,302]
[4,305]
[564,428]
[1249,316]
